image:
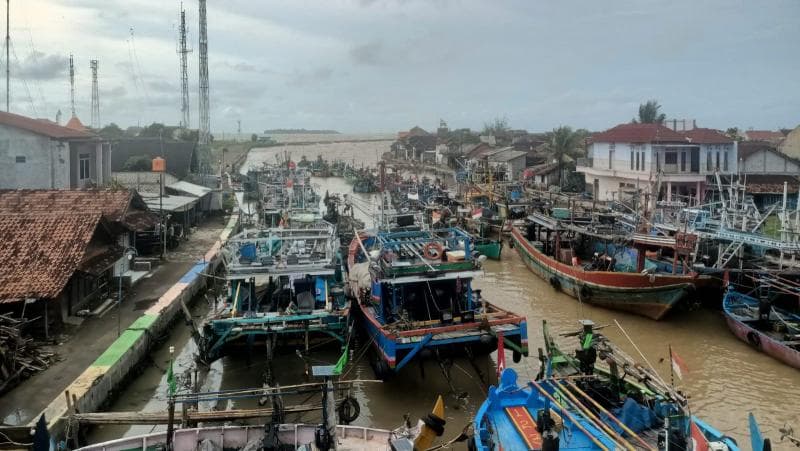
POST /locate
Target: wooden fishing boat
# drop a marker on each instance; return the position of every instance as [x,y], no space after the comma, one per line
[415,298]
[282,283]
[771,330]
[490,248]
[652,295]
[529,417]
[622,397]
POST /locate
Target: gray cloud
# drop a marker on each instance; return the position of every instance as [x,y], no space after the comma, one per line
[39,66]
[310,78]
[368,54]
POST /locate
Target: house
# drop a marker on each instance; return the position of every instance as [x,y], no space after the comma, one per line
[63,250]
[763,158]
[628,155]
[542,176]
[411,145]
[769,136]
[39,154]
[791,144]
[507,163]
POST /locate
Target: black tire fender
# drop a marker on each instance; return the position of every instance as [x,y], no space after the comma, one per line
[555,283]
[754,339]
[585,293]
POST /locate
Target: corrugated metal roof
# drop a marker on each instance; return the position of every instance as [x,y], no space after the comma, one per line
[170,203]
[190,188]
[506,155]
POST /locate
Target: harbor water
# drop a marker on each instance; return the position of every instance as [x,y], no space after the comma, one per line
[726,378]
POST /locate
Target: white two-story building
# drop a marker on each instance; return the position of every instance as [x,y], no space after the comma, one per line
[629,157]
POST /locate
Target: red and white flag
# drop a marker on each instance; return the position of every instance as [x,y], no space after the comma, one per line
[477,213]
[501,354]
[699,440]
[678,365]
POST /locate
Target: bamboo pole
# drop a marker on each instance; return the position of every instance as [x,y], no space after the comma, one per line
[566,413]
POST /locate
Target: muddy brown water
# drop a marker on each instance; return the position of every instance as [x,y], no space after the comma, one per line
[726,378]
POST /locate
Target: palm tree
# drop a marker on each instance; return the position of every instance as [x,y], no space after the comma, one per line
[648,113]
[564,142]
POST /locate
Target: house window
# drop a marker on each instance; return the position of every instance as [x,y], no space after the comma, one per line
[83,167]
[643,162]
[725,161]
[20,159]
[637,164]
[637,161]
[683,161]
[709,167]
[671,158]
[611,148]
[717,166]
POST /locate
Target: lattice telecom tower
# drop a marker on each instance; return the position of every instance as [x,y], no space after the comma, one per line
[72,85]
[183,51]
[205,120]
[94,64]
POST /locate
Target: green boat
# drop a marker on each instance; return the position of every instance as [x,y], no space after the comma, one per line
[490,248]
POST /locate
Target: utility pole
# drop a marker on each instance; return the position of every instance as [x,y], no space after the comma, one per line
[8,61]
[183,51]
[205,121]
[72,84]
[94,65]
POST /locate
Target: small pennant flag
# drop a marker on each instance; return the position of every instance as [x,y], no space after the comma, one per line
[501,354]
[699,439]
[678,365]
[342,362]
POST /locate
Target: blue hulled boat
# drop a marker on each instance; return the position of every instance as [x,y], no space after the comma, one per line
[415,298]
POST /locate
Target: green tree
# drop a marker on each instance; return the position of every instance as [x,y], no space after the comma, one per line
[138,163]
[565,142]
[649,113]
[253,137]
[733,133]
[111,131]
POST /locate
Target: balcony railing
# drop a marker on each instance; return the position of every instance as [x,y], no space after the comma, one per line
[585,162]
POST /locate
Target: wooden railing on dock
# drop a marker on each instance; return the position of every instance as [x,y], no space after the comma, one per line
[162,417]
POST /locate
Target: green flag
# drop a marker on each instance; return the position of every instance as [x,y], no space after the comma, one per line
[337,370]
[171,384]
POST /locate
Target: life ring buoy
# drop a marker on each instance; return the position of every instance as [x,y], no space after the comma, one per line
[754,339]
[433,251]
[555,283]
[585,293]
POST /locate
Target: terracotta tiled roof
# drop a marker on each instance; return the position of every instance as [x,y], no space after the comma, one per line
[706,136]
[763,135]
[41,251]
[76,124]
[113,204]
[769,183]
[40,127]
[639,133]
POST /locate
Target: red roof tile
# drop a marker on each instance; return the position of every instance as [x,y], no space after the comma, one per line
[41,251]
[639,133]
[76,124]
[41,127]
[764,135]
[706,136]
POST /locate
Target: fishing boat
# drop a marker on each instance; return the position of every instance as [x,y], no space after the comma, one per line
[415,298]
[278,435]
[488,247]
[771,330]
[549,248]
[624,398]
[283,283]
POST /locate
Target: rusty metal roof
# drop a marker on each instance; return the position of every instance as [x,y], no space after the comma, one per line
[41,251]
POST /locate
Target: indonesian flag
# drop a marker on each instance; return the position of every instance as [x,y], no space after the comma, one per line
[477,213]
[699,440]
[501,354]
[678,365]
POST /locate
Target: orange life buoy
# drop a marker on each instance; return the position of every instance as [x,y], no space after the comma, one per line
[432,251]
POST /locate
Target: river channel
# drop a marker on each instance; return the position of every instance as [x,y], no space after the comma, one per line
[726,378]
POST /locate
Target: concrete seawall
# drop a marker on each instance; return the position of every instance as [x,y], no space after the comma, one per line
[91,389]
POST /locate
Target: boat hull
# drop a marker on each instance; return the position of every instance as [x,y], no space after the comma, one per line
[394,350]
[760,340]
[491,250]
[648,295]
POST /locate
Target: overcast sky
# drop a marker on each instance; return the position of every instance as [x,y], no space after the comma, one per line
[386,65]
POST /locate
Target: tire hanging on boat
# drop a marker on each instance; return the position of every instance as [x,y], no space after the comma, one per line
[348,410]
[585,293]
[555,283]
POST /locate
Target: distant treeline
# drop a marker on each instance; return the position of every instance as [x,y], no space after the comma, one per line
[300,131]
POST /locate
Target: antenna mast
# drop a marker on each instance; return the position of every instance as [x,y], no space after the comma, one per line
[205,121]
[94,64]
[183,51]
[72,84]
[8,61]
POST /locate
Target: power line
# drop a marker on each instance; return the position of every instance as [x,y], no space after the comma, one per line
[25,83]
